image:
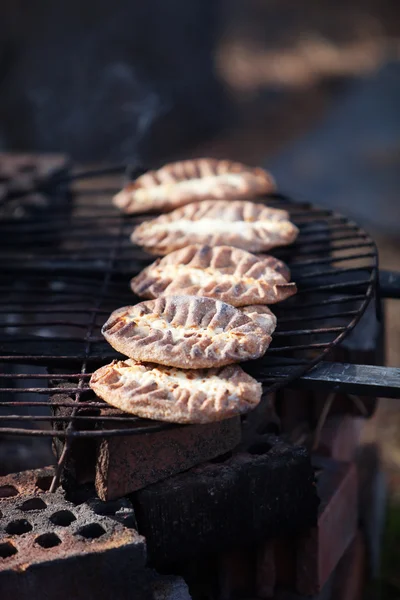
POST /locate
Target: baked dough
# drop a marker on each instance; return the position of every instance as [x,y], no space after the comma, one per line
[261,315]
[246,225]
[222,272]
[166,394]
[188,181]
[186,332]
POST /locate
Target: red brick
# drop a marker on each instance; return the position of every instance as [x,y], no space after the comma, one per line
[339,437]
[350,574]
[319,551]
[33,482]
[130,463]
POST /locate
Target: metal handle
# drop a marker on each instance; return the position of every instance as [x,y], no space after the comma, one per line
[360,380]
[389,284]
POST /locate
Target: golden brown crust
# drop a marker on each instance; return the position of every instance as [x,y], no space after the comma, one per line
[182,182]
[188,332]
[163,393]
[223,272]
[261,315]
[274,263]
[252,227]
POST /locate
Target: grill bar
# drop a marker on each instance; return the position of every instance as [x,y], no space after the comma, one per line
[73,268]
[331,259]
[332,273]
[344,378]
[99,339]
[333,286]
[323,247]
[57,419]
[73,434]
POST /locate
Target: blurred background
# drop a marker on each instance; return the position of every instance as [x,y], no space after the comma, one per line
[309,89]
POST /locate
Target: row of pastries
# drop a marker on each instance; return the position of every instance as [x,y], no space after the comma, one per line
[207,294]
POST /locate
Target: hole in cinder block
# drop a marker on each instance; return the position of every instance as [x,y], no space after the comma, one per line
[91,531]
[33,504]
[44,483]
[7,549]
[80,494]
[261,448]
[18,527]
[105,508]
[48,540]
[63,518]
[7,491]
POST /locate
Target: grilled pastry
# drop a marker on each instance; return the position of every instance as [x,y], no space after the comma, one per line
[246,225]
[186,332]
[163,393]
[188,181]
[261,315]
[223,272]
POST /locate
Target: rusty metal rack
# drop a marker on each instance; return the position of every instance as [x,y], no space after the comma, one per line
[64,273]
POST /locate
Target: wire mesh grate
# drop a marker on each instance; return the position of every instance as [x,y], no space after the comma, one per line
[65,273]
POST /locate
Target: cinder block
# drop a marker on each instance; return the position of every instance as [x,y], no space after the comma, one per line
[129,463]
[266,570]
[26,483]
[66,550]
[225,505]
[169,587]
[236,574]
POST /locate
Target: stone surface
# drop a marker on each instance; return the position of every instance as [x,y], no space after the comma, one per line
[127,464]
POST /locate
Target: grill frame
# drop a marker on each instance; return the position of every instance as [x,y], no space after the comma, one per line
[81,222]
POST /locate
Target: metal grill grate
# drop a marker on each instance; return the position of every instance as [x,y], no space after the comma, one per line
[64,274]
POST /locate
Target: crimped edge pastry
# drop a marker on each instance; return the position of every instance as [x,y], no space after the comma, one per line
[188,181]
[186,332]
[261,315]
[221,272]
[247,225]
[166,394]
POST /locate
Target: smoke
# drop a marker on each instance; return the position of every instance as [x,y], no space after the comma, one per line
[114,122]
[110,81]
